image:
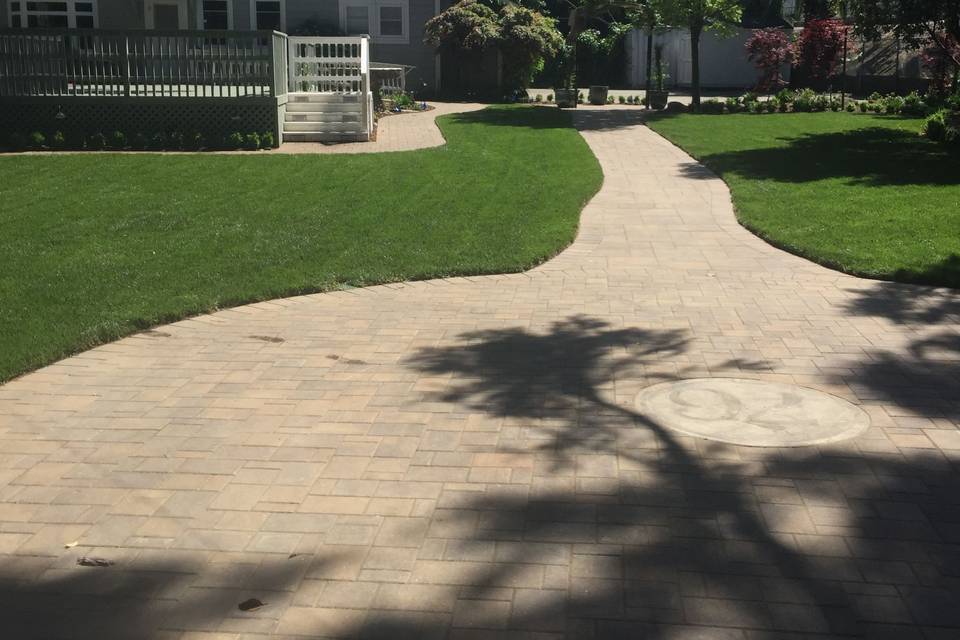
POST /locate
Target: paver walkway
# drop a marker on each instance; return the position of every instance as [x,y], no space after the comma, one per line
[462,458]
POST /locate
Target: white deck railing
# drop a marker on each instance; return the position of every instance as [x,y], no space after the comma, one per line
[332,65]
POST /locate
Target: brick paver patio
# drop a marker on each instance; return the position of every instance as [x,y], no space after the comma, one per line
[462,458]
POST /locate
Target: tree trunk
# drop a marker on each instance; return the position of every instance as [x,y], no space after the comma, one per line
[695,31]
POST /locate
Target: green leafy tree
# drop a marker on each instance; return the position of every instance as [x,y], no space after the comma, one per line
[526,38]
[697,16]
[523,36]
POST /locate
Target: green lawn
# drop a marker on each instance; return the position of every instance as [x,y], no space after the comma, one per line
[859,193]
[96,246]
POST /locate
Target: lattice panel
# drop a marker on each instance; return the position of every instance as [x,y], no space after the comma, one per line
[213,118]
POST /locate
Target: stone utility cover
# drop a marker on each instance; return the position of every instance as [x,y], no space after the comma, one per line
[752,412]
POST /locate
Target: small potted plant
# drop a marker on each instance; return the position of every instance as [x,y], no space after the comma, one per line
[657,98]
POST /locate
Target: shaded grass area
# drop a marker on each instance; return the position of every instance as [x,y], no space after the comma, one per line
[863,194]
[96,246]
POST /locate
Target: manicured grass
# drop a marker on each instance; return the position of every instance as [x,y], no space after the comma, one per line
[859,193]
[96,246]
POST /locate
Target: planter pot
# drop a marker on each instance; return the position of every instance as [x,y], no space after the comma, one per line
[598,94]
[658,99]
[566,98]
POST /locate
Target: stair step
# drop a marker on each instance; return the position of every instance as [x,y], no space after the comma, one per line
[321,127]
[326,136]
[324,98]
[322,116]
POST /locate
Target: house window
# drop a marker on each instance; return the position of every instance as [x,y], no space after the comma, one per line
[268,15]
[215,14]
[385,21]
[391,21]
[53,15]
[357,20]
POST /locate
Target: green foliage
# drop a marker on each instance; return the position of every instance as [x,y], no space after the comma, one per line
[37,140]
[937,126]
[267,141]
[97,141]
[158,141]
[234,140]
[58,140]
[251,142]
[118,140]
[466,25]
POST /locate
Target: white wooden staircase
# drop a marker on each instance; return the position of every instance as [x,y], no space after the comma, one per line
[325,117]
[329,97]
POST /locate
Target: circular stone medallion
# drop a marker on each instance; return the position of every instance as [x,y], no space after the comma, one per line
[752,412]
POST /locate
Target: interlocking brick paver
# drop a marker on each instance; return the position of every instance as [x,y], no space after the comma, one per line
[462,458]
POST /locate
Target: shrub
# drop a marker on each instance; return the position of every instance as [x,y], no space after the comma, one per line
[118,140]
[158,141]
[755,107]
[267,141]
[37,140]
[821,103]
[196,141]
[851,107]
[175,140]
[804,101]
[549,97]
[97,141]
[580,97]
[234,140]
[835,104]
[819,47]
[621,99]
[714,107]
[892,104]
[58,140]
[769,50]
[251,142]
[139,141]
[913,105]
[770,106]
[539,98]
[609,99]
[935,126]
[864,106]
[732,105]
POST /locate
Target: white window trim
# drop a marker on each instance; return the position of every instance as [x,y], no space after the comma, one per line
[373,18]
[182,12]
[283,15]
[71,13]
[229,14]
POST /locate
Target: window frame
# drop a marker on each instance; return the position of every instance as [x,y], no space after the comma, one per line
[71,13]
[200,15]
[183,13]
[283,14]
[373,19]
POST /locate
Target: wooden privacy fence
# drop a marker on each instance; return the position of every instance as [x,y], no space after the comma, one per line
[202,64]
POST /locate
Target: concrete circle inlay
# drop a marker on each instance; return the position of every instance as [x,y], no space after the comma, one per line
[752,412]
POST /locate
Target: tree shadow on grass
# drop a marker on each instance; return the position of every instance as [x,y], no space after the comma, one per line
[874,156]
